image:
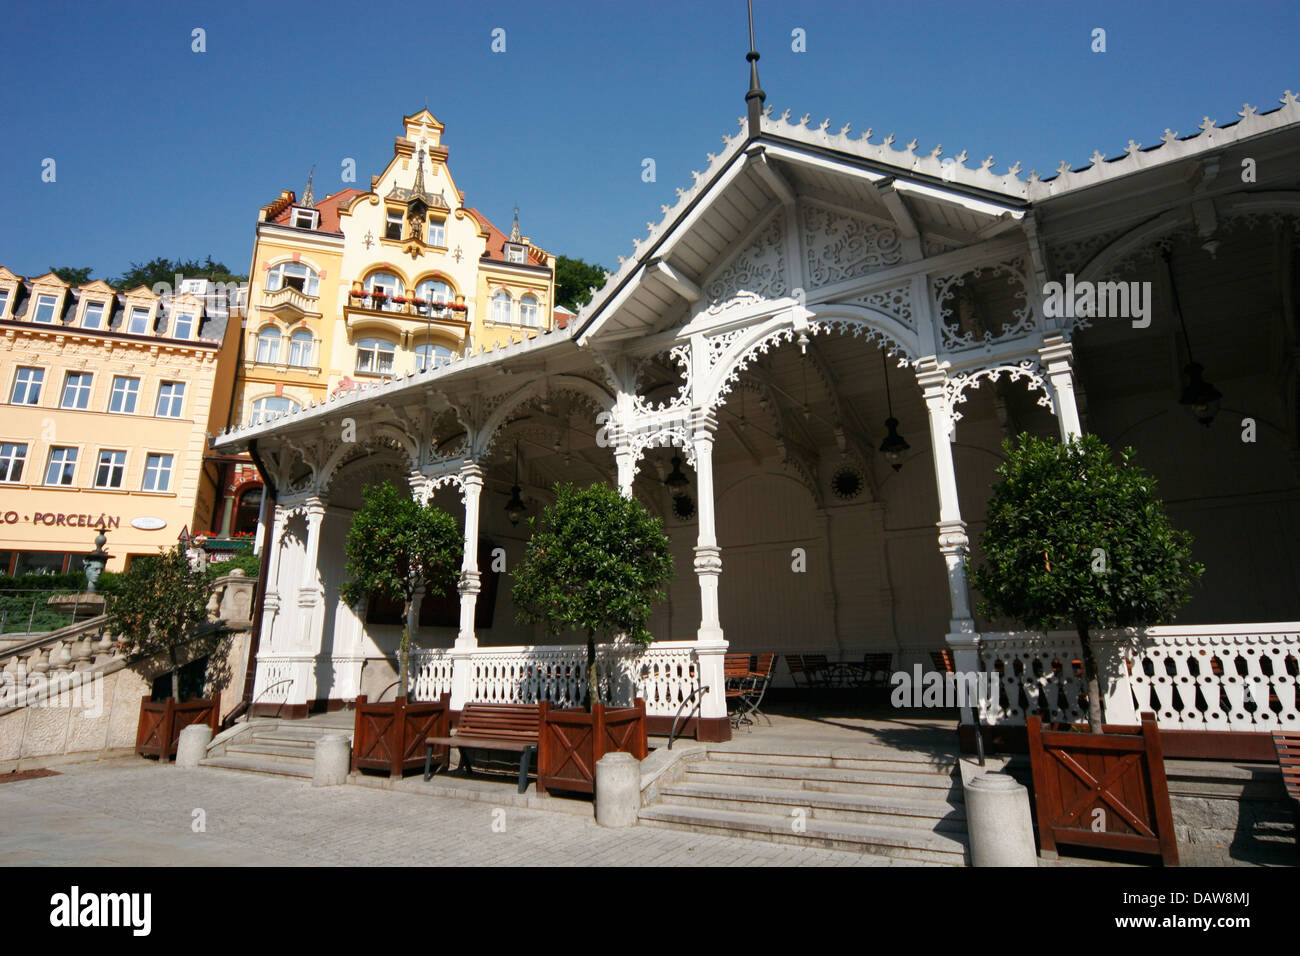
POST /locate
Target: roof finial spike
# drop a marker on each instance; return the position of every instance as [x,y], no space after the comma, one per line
[308,197]
[514,227]
[755,97]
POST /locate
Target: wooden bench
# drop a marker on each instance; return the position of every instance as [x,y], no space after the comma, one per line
[1287,744]
[509,727]
[877,669]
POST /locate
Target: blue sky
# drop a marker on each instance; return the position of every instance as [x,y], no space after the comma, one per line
[161,151]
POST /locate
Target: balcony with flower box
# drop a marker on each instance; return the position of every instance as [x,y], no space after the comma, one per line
[406,316]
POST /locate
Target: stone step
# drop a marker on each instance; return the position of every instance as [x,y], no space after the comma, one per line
[296,754]
[259,764]
[282,740]
[881,758]
[932,815]
[924,783]
[900,842]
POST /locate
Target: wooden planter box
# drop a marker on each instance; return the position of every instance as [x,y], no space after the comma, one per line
[1120,773]
[391,736]
[159,731]
[569,742]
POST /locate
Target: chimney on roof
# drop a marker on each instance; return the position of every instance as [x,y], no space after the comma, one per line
[755,98]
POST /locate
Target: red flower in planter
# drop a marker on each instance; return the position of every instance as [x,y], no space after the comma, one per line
[459,307]
[419,302]
[399,299]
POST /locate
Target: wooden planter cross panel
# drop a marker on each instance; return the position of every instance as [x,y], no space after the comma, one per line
[158,733]
[571,741]
[1103,790]
[391,736]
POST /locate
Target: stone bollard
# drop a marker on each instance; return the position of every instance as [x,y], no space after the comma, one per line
[193,745]
[997,817]
[331,761]
[618,790]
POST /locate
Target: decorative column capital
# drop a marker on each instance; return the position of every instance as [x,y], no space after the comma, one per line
[932,377]
[471,473]
[469,583]
[703,426]
[1056,354]
[708,559]
[953,539]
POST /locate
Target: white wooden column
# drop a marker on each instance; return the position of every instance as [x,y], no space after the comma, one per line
[710,642]
[311,596]
[954,544]
[471,476]
[462,655]
[271,599]
[1057,359]
[624,457]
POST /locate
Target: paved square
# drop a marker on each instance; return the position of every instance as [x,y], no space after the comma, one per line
[137,813]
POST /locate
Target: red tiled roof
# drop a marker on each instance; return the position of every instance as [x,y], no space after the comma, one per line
[328,208]
[496,244]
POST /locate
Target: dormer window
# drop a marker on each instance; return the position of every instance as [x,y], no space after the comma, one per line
[45,309]
[4,302]
[393,225]
[305,218]
[514,253]
[138,324]
[93,316]
[184,325]
[295,275]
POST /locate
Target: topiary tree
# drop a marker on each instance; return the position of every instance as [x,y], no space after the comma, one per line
[596,564]
[395,547]
[160,607]
[1074,539]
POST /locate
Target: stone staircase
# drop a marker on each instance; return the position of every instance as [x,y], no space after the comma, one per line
[907,804]
[283,747]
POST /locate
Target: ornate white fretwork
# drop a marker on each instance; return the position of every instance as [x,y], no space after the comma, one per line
[841,246]
[945,286]
[757,272]
[681,355]
[895,302]
[955,386]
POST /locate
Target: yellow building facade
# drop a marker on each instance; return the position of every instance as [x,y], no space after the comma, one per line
[363,286]
[108,399]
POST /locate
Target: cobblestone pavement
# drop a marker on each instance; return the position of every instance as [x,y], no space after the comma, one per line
[136,813]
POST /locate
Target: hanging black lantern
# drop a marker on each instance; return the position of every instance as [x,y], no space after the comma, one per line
[1201,397]
[515,506]
[676,479]
[894,446]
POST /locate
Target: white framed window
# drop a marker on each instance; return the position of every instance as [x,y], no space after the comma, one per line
[268,345]
[514,253]
[304,218]
[171,398]
[184,326]
[62,467]
[375,356]
[45,309]
[434,290]
[125,394]
[76,390]
[528,311]
[111,470]
[157,473]
[437,232]
[295,275]
[300,344]
[387,284]
[13,456]
[266,408]
[431,356]
[93,317]
[4,301]
[502,306]
[138,323]
[393,224]
[27,386]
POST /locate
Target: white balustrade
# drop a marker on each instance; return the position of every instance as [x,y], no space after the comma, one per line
[664,674]
[1238,677]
